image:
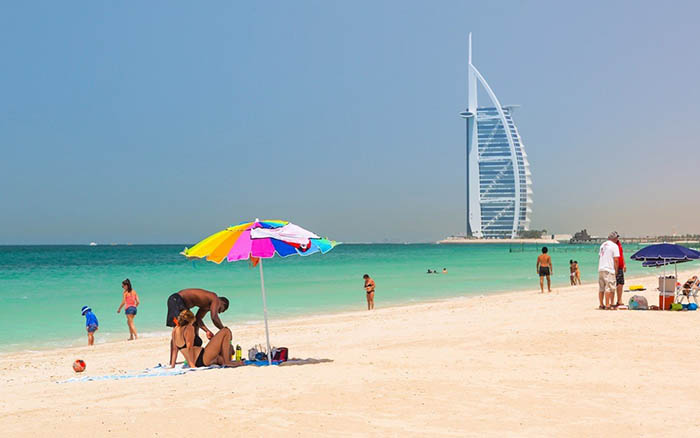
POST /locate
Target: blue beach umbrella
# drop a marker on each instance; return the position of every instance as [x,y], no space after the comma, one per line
[663,254]
[666,252]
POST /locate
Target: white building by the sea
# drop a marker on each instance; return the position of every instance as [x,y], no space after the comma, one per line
[499,187]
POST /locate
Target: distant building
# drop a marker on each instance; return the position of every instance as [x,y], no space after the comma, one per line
[582,236]
[499,193]
[562,237]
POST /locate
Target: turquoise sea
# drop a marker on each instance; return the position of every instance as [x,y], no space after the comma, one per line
[42,288]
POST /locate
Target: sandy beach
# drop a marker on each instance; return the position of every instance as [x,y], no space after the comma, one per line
[516,364]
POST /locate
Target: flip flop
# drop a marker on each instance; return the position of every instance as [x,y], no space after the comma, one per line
[601,307]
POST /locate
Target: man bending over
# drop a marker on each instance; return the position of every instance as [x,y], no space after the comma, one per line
[206,301]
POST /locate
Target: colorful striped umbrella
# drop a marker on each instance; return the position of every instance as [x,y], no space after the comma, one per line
[259,240]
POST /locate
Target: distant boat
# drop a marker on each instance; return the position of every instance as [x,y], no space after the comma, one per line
[93,244]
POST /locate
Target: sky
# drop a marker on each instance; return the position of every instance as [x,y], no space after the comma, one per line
[163,122]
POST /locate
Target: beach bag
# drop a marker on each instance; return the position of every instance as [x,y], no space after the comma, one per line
[255,351]
[676,306]
[692,306]
[260,356]
[638,302]
[280,354]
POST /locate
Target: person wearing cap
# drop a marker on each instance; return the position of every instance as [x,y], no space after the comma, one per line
[608,260]
[91,323]
[620,273]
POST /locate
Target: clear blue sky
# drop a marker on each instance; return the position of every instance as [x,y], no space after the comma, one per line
[166,121]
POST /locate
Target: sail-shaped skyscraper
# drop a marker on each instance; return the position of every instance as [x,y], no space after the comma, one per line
[499,188]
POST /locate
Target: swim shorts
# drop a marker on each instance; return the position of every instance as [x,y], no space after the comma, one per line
[620,277]
[131,310]
[175,305]
[544,271]
[92,328]
[606,281]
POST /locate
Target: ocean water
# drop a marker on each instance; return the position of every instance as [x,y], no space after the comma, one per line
[42,288]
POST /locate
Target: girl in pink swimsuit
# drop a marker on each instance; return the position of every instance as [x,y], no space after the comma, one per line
[130,302]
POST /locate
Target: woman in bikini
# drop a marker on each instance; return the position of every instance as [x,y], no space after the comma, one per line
[130,301]
[369,288]
[217,351]
[572,272]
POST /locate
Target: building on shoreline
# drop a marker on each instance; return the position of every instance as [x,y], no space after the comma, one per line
[499,193]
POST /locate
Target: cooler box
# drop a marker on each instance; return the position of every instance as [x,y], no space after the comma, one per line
[665,300]
[669,283]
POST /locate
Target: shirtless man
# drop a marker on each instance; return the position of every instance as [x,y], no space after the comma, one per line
[545,269]
[369,288]
[206,302]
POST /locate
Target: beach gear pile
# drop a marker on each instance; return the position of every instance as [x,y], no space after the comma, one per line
[258,353]
[638,302]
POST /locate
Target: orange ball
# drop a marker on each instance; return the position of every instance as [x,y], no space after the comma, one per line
[79,366]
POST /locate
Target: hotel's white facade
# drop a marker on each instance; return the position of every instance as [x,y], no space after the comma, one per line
[499,193]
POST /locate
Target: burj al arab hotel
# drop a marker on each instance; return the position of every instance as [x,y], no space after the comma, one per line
[499,193]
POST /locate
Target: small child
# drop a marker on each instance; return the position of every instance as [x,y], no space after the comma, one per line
[91,324]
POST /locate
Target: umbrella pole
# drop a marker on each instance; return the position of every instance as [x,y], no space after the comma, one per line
[267,330]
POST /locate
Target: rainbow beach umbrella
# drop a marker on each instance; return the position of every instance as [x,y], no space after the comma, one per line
[259,240]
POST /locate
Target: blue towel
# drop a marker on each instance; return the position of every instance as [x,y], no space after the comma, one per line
[161,371]
[261,363]
[157,371]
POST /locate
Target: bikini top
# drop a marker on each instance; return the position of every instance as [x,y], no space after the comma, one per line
[197,342]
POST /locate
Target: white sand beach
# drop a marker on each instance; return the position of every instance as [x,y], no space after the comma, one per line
[516,364]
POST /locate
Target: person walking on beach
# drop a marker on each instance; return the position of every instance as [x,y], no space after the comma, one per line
[91,323]
[608,259]
[206,301]
[620,274]
[369,289]
[130,301]
[545,269]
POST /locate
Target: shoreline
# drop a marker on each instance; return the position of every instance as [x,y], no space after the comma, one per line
[315,316]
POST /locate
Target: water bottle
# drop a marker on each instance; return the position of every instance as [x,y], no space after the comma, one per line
[239,352]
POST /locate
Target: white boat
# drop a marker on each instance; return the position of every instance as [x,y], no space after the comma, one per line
[93,244]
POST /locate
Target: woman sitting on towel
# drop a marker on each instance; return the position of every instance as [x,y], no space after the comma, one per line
[217,351]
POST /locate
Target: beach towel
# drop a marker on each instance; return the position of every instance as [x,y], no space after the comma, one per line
[156,371]
[162,371]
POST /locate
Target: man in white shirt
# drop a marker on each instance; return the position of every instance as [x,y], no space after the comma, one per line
[608,261]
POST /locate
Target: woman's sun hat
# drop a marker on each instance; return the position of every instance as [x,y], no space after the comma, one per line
[85,309]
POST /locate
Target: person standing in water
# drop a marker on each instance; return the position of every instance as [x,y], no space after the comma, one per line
[369,288]
[130,301]
[572,272]
[545,269]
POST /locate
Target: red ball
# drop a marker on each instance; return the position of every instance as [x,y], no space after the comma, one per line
[79,366]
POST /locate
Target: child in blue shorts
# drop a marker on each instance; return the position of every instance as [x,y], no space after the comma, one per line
[91,324]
